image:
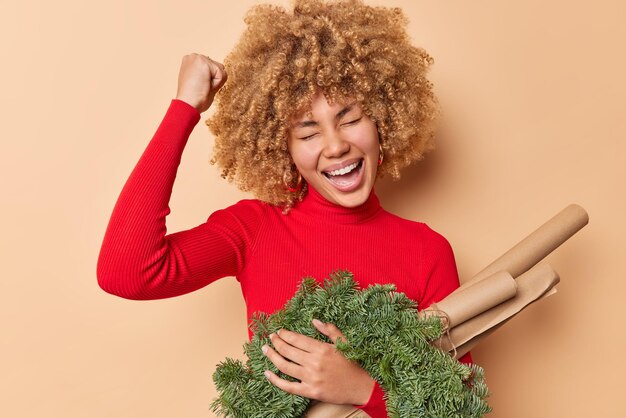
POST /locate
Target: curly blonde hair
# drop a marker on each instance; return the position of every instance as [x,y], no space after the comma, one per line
[346,49]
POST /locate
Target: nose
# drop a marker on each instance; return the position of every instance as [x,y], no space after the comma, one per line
[335,146]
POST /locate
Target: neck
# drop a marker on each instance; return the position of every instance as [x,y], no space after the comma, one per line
[314,205]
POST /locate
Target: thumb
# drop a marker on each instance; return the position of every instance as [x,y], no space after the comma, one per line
[329,330]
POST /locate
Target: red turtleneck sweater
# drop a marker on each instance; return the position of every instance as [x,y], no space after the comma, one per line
[266,251]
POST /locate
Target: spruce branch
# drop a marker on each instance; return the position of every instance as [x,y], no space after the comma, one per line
[385,336]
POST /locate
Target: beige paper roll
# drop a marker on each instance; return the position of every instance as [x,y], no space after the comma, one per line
[476,298]
[530,286]
[463,349]
[536,246]
[533,283]
[319,409]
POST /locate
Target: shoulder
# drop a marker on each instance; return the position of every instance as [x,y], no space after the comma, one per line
[433,247]
[422,230]
[244,219]
[436,240]
[248,205]
[436,248]
[246,211]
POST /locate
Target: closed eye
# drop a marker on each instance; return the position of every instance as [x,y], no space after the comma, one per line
[307,137]
[352,122]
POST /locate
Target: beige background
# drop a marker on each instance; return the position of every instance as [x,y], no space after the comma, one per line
[534,97]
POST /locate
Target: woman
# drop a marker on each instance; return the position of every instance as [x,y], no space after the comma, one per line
[319,103]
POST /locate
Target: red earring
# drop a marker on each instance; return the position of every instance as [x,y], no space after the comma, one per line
[382,156]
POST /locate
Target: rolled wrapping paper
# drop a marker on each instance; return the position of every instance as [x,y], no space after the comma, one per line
[317,409]
[533,283]
[536,246]
[475,299]
[463,349]
[531,286]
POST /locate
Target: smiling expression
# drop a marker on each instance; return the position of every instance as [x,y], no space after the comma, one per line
[335,148]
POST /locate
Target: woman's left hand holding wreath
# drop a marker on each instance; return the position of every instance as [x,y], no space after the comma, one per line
[324,373]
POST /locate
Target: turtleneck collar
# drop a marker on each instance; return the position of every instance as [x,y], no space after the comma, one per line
[316,205]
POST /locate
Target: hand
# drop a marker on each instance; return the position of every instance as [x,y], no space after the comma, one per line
[324,373]
[199,79]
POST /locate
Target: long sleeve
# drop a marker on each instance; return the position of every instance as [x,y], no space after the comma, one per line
[137,259]
[375,406]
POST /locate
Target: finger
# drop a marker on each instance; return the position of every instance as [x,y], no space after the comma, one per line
[295,388]
[223,77]
[288,350]
[214,62]
[217,74]
[300,341]
[214,69]
[330,330]
[289,368]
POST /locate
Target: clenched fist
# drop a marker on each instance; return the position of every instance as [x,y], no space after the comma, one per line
[199,79]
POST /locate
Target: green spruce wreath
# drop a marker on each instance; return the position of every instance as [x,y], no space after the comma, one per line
[386,337]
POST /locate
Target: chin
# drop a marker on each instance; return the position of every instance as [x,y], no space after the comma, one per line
[351,200]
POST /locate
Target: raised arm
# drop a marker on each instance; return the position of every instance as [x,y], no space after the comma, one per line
[137,259]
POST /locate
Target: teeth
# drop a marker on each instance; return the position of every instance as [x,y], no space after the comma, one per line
[344,170]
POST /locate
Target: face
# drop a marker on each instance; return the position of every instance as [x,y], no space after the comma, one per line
[335,148]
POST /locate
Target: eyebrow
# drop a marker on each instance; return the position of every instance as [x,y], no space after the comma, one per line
[339,115]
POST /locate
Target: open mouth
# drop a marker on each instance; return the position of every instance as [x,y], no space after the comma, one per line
[347,178]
